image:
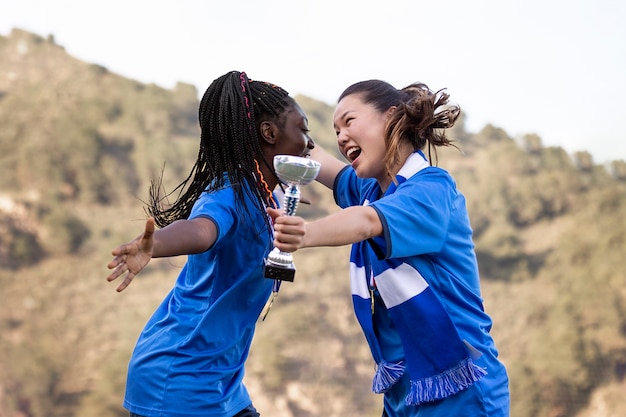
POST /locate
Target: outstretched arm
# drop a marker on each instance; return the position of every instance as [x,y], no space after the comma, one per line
[330,166]
[350,225]
[183,237]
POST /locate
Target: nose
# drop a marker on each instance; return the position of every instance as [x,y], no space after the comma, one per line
[310,144]
[342,139]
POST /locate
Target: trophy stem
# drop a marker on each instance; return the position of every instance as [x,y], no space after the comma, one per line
[291,199]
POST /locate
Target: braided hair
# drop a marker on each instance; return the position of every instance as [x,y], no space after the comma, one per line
[229,145]
[420,118]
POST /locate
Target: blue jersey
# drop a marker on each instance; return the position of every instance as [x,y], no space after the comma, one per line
[189,359]
[426,225]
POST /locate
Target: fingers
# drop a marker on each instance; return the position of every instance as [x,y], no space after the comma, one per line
[289,224]
[274,213]
[132,247]
[289,233]
[130,252]
[119,266]
[119,255]
[122,250]
[127,280]
[149,228]
[287,245]
[120,269]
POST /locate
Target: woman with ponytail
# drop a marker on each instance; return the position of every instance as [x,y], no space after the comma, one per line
[189,359]
[413,269]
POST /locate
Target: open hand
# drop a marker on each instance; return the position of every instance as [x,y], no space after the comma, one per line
[132,257]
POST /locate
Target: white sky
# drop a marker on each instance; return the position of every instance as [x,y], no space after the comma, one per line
[552,67]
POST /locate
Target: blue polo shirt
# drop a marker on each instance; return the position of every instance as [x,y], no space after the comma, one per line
[189,359]
[426,225]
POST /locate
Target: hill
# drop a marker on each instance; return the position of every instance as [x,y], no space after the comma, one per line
[78,146]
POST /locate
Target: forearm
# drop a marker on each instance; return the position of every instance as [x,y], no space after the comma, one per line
[350,225]
[330,166]
[184,237]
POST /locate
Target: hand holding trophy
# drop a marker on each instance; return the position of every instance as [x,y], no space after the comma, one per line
[294,171]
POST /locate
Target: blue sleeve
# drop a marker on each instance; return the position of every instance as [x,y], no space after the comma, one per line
[416,216]
[219,207]
[349,190]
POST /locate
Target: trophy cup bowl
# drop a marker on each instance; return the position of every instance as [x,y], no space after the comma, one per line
[294,171]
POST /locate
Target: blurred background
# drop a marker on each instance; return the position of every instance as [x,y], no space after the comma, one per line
[80,140]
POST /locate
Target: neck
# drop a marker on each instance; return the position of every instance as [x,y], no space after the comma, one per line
[384,184]
[268,176]
[269,180]
[403,155]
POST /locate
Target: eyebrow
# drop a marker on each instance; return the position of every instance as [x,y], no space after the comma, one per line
[341,117]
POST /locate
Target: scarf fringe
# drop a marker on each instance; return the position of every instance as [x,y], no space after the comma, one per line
[445,384]
[387,374]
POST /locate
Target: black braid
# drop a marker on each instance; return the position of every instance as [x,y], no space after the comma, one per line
[229,145]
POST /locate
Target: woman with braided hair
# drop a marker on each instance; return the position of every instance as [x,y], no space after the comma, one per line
[189,359]
[413,269]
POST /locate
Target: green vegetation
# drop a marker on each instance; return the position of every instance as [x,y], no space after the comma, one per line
[78,147]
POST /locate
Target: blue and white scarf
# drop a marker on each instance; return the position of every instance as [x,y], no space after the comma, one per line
[438,362]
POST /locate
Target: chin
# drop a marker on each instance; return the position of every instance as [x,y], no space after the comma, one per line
[361,173]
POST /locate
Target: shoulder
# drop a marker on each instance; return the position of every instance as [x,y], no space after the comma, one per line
[433,174]
[427,178]
[220,199]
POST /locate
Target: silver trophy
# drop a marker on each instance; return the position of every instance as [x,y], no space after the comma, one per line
[293,171]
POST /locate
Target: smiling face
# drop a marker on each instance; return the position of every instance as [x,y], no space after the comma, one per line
[292,136]
[285,135]
[360,137]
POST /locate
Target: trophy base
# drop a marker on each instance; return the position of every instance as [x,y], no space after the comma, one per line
[283,273]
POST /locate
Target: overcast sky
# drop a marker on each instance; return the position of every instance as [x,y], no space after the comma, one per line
[551,67]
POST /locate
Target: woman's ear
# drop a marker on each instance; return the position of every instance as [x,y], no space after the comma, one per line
[268,132]
[390,111]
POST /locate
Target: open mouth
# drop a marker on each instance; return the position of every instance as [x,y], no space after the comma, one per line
[353,153]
